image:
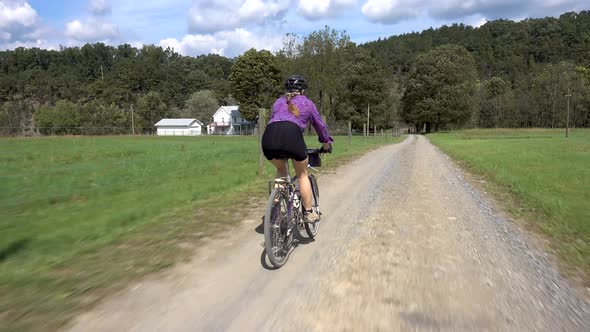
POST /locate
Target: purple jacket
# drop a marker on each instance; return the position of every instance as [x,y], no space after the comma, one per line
[307,112]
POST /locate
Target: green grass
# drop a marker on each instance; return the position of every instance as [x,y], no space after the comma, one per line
[82,216]
[546,177]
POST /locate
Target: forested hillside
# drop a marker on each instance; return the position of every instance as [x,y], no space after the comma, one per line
[524,69]
[502,74]
[95,86]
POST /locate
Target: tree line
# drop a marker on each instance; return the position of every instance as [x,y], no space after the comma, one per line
[502,74]
[98,86]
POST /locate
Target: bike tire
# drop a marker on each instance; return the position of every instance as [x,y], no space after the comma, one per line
[275,222]
[312,228]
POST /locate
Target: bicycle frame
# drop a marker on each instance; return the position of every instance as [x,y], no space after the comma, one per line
[291,188]
[286,190]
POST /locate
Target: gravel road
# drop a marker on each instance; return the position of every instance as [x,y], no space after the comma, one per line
[406,243]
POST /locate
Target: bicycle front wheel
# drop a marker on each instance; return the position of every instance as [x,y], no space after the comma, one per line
[313,228]
[276,237]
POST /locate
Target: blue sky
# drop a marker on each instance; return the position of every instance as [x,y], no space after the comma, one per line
[230,27]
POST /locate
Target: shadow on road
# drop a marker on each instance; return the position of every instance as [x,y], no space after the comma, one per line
[260,228]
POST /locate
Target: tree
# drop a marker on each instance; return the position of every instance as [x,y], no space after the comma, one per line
[320,59]
[495,106]
[255,81]
[440,87]
[151,108]
[550,86]
[581,116]
[7,115]
[107,119]
[362,83]
[201,105]
[64,118]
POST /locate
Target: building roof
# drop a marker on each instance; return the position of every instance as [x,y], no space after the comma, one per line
[230,110]
[177,122]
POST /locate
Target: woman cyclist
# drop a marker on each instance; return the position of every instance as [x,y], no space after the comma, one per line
[283,137]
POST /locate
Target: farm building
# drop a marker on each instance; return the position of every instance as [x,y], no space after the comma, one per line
[179,127]
[229,121]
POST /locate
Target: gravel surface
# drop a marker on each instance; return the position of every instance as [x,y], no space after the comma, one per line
[406,243]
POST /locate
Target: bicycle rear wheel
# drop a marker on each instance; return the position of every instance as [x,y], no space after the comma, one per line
[313,228]
[276,237]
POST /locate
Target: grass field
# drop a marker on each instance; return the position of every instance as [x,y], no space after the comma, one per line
[81,216]
[541,175]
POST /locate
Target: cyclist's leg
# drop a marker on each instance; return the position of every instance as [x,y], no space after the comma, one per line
[281,165]
[304,184]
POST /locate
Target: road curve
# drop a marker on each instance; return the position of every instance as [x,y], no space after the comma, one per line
[405,244]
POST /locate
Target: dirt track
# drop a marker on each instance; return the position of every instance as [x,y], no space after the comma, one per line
[405,244]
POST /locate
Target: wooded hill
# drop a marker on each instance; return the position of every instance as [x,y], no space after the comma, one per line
[524,69]
[502,74]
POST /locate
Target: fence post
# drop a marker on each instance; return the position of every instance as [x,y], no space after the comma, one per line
[349,133]
[132,121]
[261,127]
[365,133]
[382,137]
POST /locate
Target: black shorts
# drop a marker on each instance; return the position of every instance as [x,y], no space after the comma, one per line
[283,140]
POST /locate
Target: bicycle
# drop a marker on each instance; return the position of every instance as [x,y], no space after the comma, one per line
[284,212]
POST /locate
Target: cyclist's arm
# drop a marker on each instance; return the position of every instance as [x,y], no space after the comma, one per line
[319,126]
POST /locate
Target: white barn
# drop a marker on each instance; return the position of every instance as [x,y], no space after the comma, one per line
[229,121]
[179,127]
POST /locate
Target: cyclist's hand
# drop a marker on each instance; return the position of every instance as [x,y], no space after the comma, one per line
[326,148]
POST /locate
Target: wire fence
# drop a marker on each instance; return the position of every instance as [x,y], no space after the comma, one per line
[150,131]
[114,131]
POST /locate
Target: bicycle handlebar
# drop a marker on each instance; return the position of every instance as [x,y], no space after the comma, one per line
[322,150]
[314,155]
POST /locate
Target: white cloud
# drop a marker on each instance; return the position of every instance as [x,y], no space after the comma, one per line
[394,11]
[42,44]
[96,27]
[217,15]
[99,7]
[20,13]
[19,22]
[318,9]
[482,20]
[450,9]
[91,30]
[226,43]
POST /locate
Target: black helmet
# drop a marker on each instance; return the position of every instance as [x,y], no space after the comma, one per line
[295,83]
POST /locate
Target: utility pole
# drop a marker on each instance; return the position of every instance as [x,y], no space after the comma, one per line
[368,113]
[349,133]
[567,121]
[132,121]
[261,127]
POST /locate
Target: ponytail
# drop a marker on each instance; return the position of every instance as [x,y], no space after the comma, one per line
[292,107]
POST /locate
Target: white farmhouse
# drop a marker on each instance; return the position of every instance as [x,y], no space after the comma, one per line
[179,127]
[229,121]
